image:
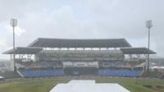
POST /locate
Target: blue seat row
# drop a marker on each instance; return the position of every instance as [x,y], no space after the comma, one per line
[60,72]
[119,72]
[42,73]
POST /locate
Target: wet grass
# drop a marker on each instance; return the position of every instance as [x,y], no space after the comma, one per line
[45,84]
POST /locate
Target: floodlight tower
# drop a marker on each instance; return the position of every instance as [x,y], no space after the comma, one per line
[149,26]
[13,23]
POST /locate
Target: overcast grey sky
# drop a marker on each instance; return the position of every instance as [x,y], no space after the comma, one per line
[82,19]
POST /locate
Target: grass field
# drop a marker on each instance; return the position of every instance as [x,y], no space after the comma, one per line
[45,84]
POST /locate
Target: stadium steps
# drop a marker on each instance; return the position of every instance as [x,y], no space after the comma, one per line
[9,74]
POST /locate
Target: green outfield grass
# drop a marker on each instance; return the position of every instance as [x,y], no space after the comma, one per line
[45,84]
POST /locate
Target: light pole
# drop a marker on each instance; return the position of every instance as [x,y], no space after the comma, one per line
[13,23]
[149,26]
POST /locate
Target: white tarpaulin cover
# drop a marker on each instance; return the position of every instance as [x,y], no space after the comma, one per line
[88,86]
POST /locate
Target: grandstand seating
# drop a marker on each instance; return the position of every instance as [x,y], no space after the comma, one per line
[41,73]
[80,55]
[45,64]
[119,72]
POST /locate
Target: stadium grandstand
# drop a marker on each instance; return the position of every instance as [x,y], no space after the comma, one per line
[47,57]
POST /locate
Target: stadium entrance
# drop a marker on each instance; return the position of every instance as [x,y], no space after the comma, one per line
[80,68]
